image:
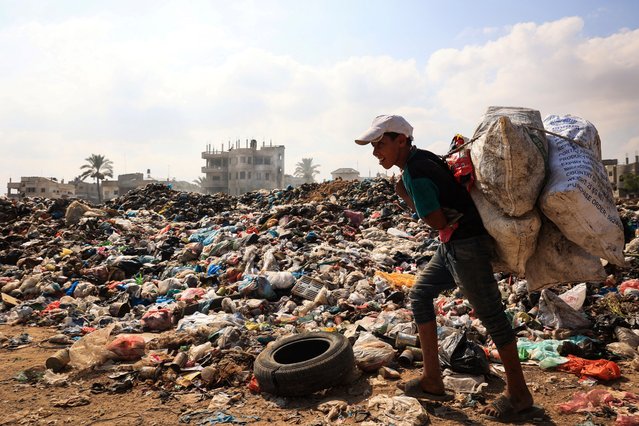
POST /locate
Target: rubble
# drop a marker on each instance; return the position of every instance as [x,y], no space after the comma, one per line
[187,289]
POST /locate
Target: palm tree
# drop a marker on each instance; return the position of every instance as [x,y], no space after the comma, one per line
[306,169]
[201,183]
[97,167]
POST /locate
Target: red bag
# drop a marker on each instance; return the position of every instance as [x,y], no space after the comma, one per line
[460,163]
[128,347]
[598,368]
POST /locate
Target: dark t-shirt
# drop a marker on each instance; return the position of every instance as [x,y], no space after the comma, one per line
[431,185]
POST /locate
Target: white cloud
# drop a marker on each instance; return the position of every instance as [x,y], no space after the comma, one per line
[550,67]
[84,86]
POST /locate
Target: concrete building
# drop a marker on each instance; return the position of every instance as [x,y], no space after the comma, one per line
[345,174]
[86,190]
[293,180]
[36,186]
[239,170]
[616,173]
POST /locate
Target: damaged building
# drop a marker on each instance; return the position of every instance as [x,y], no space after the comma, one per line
[238,169]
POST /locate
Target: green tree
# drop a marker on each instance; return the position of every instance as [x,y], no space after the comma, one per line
[630,183]
[306,169]
[201,183]
[97,167]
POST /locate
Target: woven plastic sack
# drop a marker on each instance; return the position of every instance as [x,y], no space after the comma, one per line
[578,197]
[509,157]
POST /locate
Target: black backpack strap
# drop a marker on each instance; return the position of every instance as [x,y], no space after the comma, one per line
[439,161]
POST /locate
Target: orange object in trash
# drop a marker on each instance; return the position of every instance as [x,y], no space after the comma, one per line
[253,385]
[598,368]
[396,279]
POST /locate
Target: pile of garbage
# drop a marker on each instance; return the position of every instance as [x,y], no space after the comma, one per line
[185,290]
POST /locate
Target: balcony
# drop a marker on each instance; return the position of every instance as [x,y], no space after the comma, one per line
[214,169]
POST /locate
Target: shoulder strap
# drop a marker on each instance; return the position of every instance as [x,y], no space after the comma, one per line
[438,160]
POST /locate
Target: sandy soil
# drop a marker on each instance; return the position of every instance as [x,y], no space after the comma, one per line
[76,403]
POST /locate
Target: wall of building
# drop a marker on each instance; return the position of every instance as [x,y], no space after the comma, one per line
[243,169]
[617,171]
[36,186]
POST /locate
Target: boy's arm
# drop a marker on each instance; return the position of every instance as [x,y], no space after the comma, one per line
[400,189]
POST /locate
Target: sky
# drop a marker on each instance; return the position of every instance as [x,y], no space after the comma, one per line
[149,84]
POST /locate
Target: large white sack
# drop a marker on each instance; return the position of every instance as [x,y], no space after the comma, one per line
[515,237]
[558,260]
[510,158]
[578,197]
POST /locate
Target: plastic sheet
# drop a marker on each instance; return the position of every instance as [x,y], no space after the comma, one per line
[371,353]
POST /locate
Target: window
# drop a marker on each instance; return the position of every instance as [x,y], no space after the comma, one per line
[279,157]
[242,175]
[42,190]
[267,160]
[259,160]
[243,160]
[215,177]
[249,175]
[31,190]
[235,175]
[258,176]
[267,176]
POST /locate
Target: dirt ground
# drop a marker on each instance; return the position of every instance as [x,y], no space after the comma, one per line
[76,402]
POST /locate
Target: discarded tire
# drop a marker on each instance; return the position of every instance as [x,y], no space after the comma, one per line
[304,363]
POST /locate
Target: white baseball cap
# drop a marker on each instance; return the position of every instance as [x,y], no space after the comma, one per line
[385,124]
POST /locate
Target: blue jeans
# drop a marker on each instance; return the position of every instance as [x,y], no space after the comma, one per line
[466,263]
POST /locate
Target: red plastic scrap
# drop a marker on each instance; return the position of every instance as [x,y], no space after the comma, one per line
[253,385]
[128,347]
[51,307]
[623,420]
[634,283]
[598,368]
[594,399]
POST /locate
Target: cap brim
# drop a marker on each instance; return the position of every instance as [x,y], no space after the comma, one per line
[371,135]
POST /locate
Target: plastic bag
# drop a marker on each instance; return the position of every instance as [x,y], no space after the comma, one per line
[157,319]
[628,286]
[575,297]
[462,356]
[460,162]
[599,368]
[583,401]
[555,313]
[398,410]
[127,347]
[371,353]
[626,335]
[191,295]
[281,280]
[91,350]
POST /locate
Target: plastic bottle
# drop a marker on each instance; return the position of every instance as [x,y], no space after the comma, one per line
[197,352]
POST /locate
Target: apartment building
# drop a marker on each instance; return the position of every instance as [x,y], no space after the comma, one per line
[36,186]
[616,173]
[238,169]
